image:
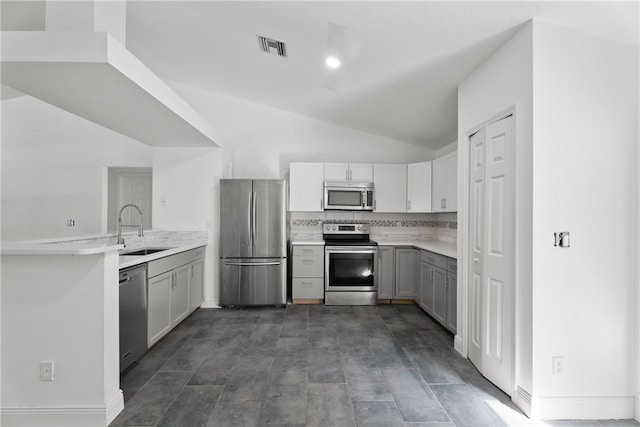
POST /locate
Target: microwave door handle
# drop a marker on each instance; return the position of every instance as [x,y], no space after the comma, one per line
[364,198]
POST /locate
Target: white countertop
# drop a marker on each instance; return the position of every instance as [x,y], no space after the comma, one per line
[85,248]
[438,246]
[129,261]
[92,245]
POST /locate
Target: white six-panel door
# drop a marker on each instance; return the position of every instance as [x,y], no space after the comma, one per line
[492,253]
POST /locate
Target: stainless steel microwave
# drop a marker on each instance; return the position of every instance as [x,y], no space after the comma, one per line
[348,196]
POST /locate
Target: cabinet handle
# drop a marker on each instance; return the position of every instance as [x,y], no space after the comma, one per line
[374,205]
[408,205]
[321,206]
[307,261]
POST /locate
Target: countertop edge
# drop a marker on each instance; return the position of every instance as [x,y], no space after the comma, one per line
[130,261]
[47,249]
[443,248]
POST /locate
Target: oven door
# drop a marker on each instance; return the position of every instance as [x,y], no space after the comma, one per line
[350,268]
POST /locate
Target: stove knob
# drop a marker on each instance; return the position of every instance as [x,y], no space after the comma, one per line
[333,228]
[359,228]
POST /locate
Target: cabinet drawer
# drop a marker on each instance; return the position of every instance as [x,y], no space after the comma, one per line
[308,288]
[308,266]
[434,259]
[308,250]
[452,265]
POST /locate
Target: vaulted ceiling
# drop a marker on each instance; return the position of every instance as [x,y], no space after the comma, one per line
[402,60]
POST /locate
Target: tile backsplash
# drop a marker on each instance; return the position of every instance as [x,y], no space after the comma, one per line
[440,226]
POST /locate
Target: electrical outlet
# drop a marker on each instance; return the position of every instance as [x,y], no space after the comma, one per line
[558,365]
[71,223]
[46,371]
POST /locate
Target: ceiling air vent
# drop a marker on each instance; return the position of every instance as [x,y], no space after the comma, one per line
[273,46]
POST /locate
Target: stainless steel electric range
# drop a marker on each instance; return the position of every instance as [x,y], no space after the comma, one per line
[350,265]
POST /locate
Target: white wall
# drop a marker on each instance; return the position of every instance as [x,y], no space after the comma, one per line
[575,99]
[257,142]
[54,168]
[186,187]
[60,309]
[502,83]
[260,141]
[585,182]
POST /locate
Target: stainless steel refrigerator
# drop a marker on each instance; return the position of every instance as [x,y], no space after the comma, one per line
[253,243]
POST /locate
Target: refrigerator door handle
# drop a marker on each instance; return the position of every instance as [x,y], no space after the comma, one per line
[249,218]
[250,264]
[253,218]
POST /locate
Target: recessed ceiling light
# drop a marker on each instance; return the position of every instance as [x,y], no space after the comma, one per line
[332,62]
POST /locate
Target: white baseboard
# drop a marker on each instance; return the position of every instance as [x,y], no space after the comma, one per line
[114,406]
[80,415]
[582,408]
[210,303]
[458,345]
[522,399]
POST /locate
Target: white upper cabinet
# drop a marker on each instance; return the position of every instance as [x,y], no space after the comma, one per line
[390,187]
[445,184]
[306,186]
[357,172]
[419,187]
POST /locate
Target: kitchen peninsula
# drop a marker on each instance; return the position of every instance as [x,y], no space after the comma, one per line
[60,307]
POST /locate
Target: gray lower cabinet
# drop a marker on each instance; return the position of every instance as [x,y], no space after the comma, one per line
[196,283]
[452,301]
[438,288]
[170,282]
[439,283]
[307,272]
[426,288]
[404,277]
[415,261]
[386,272]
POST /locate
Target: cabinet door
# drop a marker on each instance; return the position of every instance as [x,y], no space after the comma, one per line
[386,273]
[439,279]
[419,187]
[416,274]
[196,284]
[451,183]
[159,315]
[426,288]
[390,187]
[306,186]
[361,172]
[452,302]
[180,294]
[404,273]
[438,185]
[336,172]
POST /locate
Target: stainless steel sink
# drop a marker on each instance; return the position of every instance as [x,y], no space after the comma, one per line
[143,251]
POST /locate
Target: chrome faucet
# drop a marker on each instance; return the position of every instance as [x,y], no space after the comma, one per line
[120,225]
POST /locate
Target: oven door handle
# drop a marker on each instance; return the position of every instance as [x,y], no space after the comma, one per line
[353,250]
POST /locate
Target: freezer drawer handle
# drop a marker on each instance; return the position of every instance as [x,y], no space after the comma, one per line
[243,264]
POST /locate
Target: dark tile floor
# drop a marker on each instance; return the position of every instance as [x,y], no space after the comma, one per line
[389,365]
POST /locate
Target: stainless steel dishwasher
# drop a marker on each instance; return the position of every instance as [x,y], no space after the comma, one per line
[133,314]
